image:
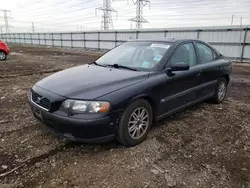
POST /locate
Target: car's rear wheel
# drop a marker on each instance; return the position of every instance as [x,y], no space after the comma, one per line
[135,123]
[221,90]
[3,55]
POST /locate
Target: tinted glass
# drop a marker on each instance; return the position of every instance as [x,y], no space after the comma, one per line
[206,54]
[185,54]
[145,55]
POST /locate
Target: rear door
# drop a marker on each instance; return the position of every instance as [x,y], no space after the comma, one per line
[210,65]
[179,87]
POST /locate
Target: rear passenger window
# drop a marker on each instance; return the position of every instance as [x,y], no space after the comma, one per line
[206,54]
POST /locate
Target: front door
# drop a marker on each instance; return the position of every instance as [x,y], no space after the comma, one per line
[180,86]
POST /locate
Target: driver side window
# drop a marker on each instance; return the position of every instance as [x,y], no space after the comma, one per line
[184,53]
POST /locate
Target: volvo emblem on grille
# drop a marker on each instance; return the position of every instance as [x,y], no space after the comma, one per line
[39,100]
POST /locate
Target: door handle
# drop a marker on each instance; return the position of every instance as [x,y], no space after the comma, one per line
[198,74]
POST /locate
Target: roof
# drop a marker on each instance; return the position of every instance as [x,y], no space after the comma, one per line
[170,40]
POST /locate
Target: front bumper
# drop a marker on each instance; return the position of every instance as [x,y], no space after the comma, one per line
[83,130]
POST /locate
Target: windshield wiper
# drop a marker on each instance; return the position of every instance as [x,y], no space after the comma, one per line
[94,63]
[117,66]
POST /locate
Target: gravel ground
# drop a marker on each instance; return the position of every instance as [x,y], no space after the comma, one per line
[204,146]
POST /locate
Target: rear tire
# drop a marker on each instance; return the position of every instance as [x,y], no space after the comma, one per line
[3,55]
[220,91]
[135,123]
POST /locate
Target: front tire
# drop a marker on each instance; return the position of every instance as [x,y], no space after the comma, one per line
[220,92]
[135,123]
[3,56]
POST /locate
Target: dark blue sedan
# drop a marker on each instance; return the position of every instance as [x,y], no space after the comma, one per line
[124,91]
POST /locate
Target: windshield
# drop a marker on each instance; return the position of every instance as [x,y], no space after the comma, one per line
[144,55]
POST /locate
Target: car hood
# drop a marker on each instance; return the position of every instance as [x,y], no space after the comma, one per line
[90,81]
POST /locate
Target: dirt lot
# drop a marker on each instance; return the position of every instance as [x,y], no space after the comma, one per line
[205,146]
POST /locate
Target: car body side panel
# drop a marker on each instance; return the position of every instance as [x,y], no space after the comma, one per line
[4,47]
[169,91]
[178,90]
[147,88]
[165,92]
[210,73]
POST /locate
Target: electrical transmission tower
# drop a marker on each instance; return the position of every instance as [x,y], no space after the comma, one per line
[6,20]
[139,13]
[107,22]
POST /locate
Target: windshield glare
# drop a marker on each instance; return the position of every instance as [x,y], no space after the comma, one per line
[143,55]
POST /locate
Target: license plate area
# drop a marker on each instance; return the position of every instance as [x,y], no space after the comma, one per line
[38,113]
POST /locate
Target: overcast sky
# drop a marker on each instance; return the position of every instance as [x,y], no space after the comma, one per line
[76,15]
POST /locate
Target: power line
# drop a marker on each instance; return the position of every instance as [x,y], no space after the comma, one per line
[202,6]
[71,22]
[71,14]
[93,20]
[163,15]
[31,4]
[64,20]
[61,11]
[24,9]
[72,11]
[107,22]
[139,13]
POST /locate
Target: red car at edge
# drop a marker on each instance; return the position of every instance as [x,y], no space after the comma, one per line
[4,50]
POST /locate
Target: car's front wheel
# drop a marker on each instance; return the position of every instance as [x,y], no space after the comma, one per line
[135,123]
[3,55]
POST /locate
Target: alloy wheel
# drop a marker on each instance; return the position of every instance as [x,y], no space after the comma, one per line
[222,90]
[2,55]
[138,123]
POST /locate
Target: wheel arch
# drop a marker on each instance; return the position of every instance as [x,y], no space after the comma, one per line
[149,100]
[2,50]
[226,76]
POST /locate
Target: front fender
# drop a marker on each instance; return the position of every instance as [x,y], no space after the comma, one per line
[122,98]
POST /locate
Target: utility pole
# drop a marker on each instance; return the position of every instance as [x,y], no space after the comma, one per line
[33,27]
[6,20]
[241,22]
[107,22]
[232,20]
[139,13]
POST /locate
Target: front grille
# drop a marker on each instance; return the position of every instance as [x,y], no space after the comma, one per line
[41,101]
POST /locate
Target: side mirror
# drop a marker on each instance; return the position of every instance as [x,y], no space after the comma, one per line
[180,66]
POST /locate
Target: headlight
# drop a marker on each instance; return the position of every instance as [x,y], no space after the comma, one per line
[80,107]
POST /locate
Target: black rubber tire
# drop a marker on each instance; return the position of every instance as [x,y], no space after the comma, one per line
[122,135]
[5,55]
[215,98]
